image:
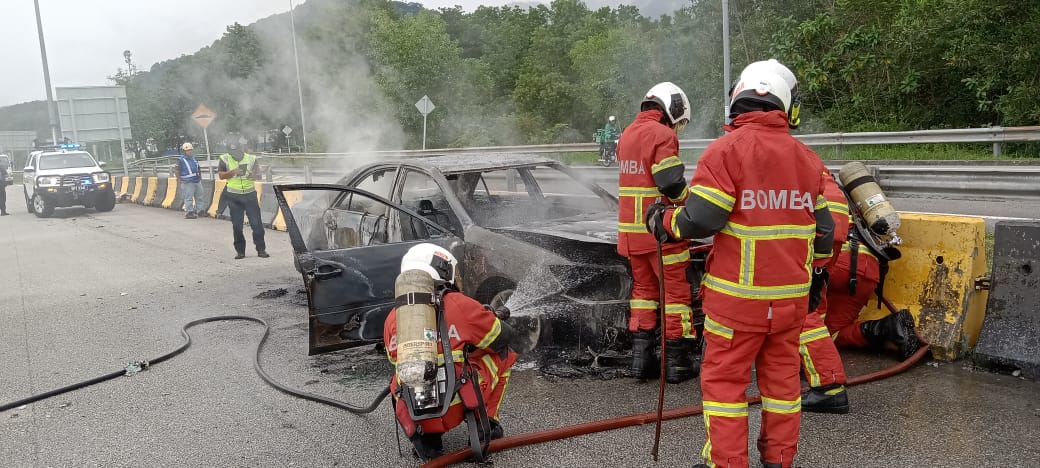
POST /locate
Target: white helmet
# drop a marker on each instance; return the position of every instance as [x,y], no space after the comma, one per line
[186,147]
[433,259]
[611,118]
[673,100]
[758,86]
[773,66]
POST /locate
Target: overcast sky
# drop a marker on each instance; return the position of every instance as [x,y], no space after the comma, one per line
[86,38]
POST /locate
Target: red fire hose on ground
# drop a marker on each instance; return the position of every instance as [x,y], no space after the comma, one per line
[602,425]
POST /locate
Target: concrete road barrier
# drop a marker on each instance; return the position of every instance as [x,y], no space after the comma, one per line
[172,199]
[117,183]
[216,205]
[129,186]
[150,191]
[291,198]
[268,204]
[139,188]
[935,280]
[162,185]
[1010,335]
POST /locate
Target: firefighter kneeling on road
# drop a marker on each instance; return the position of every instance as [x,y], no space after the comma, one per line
[761,193]
[650,171]
[479,341]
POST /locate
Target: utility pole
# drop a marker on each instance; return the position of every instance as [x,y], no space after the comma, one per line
[51,111]
[299,86]
[725,59]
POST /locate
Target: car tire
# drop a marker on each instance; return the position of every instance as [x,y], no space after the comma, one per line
[28,203]
[105,201]
[527,329]
[42,207]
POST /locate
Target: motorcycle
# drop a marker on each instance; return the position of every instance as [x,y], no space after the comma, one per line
[608,153]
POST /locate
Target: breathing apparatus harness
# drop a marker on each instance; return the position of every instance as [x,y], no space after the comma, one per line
[433,397]
[862,236]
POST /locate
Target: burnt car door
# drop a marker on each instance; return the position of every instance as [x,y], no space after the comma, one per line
[348,243]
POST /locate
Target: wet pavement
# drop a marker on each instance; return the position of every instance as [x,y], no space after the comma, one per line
[65,319]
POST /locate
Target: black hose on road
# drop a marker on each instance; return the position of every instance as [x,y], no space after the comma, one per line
[135,367]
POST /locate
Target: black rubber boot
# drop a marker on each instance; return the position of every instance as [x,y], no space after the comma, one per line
[497,432]
[644,363]
[680,365]
[827,399]
[427,446]
[897,329]
[766,464]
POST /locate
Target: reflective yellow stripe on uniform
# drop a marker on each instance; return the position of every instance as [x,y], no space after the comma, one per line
[496,329]
[492,368]
[810,367]
[813,335]
[774,232]
[838,207]
[774,405]
[637,194]
[862,250]
[685,317]
[642,304]
[717,328]
[632,227]
[665,163]
[726,410]
[680,257]
[715,196]
[821,202]
[682,195]
[755,292]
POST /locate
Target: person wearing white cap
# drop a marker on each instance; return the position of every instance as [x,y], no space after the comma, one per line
[189,182]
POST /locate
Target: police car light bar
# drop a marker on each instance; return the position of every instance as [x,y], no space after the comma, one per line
[70,146]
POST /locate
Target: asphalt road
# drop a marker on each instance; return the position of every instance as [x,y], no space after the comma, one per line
[85,292]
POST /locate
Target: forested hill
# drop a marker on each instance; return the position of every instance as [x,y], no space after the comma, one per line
[553,73]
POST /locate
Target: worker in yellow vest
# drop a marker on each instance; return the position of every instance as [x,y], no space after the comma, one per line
[239,170]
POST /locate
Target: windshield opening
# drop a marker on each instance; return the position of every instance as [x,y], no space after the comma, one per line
[515,196]
[66,161]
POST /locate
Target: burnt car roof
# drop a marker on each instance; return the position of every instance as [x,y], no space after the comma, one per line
[460,163]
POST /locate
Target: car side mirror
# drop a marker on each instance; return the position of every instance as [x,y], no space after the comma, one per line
[101,163]
[29,169]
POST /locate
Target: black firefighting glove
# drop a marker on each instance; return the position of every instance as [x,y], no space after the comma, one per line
[655,222]
[502,312]
[817,287]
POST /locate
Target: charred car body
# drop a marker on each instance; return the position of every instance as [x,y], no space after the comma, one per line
[527,232]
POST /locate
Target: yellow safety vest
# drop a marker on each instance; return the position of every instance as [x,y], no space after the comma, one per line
[239,184]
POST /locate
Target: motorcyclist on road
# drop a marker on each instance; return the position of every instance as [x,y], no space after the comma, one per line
[607,137]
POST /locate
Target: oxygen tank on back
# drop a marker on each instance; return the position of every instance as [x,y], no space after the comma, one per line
[417,336]
[863,189]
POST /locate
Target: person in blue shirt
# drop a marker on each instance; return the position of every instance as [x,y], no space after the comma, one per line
[189,182]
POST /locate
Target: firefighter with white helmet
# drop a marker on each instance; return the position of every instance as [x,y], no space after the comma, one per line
[414,337]
[650,171]
[760,192]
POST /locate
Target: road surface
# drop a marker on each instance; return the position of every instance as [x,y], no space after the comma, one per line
[85,292]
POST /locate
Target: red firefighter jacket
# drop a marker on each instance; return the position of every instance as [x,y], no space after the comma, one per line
[838,206]
[761,192]
[649,170]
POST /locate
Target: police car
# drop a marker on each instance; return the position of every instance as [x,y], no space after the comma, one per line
[65,176]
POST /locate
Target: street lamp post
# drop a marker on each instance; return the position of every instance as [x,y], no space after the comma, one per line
[299,86]
[51,112]
[725,59]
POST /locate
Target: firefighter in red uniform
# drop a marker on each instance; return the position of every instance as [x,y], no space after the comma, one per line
[855,277]
[469,324]
[761,193]
[650,171]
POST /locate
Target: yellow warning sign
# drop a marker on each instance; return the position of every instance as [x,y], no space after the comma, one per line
[203,116]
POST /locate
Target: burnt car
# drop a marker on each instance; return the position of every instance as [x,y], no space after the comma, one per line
[527,231]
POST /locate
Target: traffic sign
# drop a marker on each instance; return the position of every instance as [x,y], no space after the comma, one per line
[425,105]
[203,116]
[287,130]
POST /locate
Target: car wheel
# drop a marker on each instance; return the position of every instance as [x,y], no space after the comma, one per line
[28,203]
[527,328]
[42,207]
[105,201]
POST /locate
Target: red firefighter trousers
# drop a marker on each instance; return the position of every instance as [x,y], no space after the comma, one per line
[842,308]
[493,373]
[725,376]
[646,292]
[820,359]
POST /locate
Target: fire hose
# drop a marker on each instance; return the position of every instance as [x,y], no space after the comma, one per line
[135,367]
[565,432]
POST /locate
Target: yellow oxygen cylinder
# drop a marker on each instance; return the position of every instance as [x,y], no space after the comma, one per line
[416,333]
[877,211]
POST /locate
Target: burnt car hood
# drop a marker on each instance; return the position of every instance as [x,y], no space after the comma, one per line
[598,231]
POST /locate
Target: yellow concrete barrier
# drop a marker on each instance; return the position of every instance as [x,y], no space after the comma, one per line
[125,183]
[291,198]
[152,190]
[138,183]
[218,190]
[171,193]
[935,280]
